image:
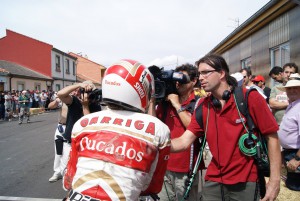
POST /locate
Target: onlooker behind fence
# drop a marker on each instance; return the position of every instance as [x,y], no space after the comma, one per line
[259,81]
[24,109]
[278,99]
[289,132]
[7,103]
[36,99]
[43,99]
[2,107]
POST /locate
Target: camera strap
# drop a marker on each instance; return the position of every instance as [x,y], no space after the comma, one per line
[199,158]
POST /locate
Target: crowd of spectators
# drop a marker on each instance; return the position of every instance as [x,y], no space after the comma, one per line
[10,105]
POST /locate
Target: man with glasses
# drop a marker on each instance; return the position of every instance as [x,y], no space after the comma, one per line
[231,175]
[278,99]
[247,73]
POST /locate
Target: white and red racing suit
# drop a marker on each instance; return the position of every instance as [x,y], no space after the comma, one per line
[117,155]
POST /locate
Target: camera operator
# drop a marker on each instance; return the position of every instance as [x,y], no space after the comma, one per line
[78,105]
[176,111]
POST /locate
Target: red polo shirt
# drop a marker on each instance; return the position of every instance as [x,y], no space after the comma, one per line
[229,165]
[178,162]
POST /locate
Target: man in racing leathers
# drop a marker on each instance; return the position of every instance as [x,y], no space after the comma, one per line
[119,153]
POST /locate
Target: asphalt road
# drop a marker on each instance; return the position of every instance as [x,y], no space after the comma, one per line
[26,159]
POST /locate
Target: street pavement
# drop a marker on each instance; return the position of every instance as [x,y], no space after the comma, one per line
[26,159]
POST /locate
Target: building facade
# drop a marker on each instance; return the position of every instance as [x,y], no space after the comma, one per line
[63,68]
[88,70]
[271,37]
[40,57]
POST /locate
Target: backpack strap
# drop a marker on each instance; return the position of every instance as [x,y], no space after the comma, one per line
[241,99]
[199,115]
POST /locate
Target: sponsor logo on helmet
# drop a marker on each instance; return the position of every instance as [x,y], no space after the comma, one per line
[139,89]
[112,83]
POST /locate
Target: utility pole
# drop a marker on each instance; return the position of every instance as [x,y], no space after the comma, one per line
[236,21]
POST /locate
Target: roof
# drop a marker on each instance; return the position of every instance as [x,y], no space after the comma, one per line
[262,17]
[85,77]
[63,53]
[85,58]
[19,70]
[88,70]
[2,70]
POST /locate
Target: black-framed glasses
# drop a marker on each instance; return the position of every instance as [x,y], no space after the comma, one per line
[206,73]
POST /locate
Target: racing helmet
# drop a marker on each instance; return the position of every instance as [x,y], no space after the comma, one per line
[128,84]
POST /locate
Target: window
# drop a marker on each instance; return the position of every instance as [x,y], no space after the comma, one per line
[20,86]
[37,86]
[280,55]
[67,62]
[74,73]
[246,63]
[57,63]
[57,87]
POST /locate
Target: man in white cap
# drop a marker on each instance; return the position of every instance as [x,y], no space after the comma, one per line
[24,110]
[239,78]
[289,132]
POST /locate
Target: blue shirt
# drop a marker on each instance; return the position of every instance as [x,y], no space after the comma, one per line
[289,131]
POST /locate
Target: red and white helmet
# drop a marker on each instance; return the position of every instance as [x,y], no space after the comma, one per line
[129,84]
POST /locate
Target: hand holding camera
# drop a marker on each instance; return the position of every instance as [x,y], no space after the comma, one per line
[165,81]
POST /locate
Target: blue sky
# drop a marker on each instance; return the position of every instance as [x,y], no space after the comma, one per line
[161,32]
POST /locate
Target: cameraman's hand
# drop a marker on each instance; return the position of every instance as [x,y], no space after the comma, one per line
[87,87]
[84,99]
[174,99]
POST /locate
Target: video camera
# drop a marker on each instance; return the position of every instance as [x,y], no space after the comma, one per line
[94,96]
[165,81]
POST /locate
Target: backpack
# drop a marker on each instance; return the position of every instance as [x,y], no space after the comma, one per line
[260,155]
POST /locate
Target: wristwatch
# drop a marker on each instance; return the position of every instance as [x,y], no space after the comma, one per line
[181,110]
[297,158]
